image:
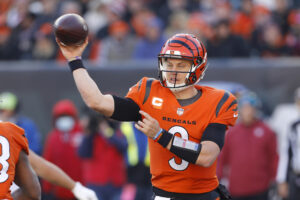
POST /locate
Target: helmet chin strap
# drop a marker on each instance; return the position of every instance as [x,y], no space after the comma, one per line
[178,89]
[173,86]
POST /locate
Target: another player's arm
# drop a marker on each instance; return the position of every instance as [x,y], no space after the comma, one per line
[57,176]
[26,179]
[203,154]
[50,172]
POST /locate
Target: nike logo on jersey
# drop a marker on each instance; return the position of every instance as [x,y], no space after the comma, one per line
[235,115]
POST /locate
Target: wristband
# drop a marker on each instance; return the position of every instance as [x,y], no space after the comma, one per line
[76,64]
[165,138]
[185,149]
[75,58]
[157,134]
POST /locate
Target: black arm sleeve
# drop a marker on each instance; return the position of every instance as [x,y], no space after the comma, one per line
[126,110]
[216,133]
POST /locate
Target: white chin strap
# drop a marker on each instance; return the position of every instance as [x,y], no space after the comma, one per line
[176,87]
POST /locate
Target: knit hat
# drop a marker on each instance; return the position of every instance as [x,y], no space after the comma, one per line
[8,101]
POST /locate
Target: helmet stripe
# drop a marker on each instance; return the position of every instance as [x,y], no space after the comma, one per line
[182,43]
[202,49]
[192,42]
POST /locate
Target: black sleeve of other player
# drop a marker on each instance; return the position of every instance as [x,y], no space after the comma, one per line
[126,110]
[216,133]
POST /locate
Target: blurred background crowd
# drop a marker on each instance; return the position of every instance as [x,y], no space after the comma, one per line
[263,149]
[129,29]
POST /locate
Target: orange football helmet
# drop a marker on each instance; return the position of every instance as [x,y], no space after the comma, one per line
[188,47]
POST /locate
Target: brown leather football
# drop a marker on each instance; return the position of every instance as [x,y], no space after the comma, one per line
[70,29]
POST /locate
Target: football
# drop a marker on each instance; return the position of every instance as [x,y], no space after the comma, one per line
[70,29]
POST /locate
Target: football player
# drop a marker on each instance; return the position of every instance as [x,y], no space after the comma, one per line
[185,122]
[14,164]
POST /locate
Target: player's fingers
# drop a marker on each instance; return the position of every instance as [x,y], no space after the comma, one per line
[146,115]
[147,121]
[141,124]
[138,127]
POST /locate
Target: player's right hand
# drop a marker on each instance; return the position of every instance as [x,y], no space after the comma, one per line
[83,193]
[72,52]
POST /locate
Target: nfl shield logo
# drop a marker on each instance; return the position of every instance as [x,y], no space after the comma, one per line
[180,111]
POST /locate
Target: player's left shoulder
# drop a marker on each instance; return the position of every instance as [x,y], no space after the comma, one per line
[217,94]
[224,102]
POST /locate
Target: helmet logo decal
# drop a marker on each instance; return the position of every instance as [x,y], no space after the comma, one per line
[172,52]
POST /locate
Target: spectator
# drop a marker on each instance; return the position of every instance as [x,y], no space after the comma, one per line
[280,15]
[292,38]
[139,19]
[243,23]
[96,11]
[249,157]
[225,44]
[10,107]
[119,45]
[114,11]
[44,47]
[20,43]
[4,42]
[61,147]
[148,46]
[261,16]
[177,24]
[138,165]
[272,44]
[199,27]
[102,152]
[170,7]
[285,122]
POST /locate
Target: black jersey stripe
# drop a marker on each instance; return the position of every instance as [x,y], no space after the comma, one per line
[140,83]
[148,89]
[221,103]
[232,104]
[202,49]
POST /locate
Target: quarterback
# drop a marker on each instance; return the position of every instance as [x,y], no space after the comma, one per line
[185,122]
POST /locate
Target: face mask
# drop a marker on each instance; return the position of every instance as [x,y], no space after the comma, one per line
[64,124]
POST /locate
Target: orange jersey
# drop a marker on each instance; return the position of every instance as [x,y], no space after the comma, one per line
[169,172]
[12,141]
